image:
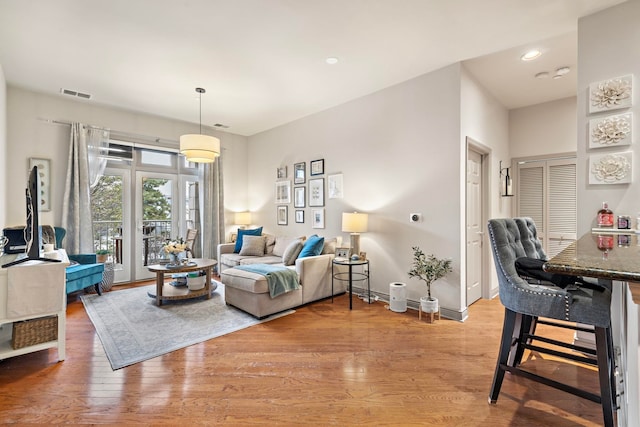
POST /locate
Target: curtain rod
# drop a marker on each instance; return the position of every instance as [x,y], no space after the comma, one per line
[130,135]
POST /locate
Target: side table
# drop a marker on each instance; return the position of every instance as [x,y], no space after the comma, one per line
[351,275]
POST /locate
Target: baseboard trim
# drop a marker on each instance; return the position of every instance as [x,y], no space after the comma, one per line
[446,313]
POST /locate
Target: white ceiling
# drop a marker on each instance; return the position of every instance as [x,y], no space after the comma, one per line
[262,62]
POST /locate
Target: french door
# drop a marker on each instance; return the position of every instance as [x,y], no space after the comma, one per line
[156,218]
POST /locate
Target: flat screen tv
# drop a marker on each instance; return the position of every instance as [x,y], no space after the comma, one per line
[32,232]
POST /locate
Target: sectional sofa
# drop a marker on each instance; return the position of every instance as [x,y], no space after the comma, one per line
[249,291]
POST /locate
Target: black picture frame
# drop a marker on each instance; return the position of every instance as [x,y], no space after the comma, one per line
[282,215]
[300,216]
[299,197]
[316,167]
[299,173]
[316,192]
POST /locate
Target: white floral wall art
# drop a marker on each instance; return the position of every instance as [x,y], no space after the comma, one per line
[614,168]
[610,131]
[610,94]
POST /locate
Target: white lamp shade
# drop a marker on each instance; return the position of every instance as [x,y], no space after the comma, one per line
[355,222]
[243,218]
[199,148]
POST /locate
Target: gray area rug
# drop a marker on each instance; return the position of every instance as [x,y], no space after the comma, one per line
[133,329]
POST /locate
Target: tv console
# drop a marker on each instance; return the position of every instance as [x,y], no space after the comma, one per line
[56,284]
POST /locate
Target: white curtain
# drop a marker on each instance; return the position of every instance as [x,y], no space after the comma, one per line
[97,150]
[81,174]
[211,207]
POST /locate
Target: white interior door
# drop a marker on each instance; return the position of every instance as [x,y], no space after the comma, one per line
[474,226]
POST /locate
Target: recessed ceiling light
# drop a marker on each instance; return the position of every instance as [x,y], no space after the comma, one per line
[331,60]
[532,54]
[562,71]
[542,75]
[558,76]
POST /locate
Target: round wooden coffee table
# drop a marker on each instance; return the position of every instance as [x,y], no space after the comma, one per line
[166,291]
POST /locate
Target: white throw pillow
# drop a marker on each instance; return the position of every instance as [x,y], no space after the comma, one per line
[291,253]
[282,242]
[252,246]
[330,246]
[269,243]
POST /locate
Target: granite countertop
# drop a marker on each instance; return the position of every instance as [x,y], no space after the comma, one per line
[614,256]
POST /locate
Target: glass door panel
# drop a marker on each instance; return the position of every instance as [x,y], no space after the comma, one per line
[156,219]
[110,209]
[190,211]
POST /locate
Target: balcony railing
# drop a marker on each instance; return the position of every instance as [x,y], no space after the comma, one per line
[108,235]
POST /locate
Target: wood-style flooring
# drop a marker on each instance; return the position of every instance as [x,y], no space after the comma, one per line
[323,365]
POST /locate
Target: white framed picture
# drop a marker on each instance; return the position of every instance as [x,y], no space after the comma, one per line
[283,192]
[611,131]
[316,192]
[611,94]
[614,168]
[334,186]
[342,252]
[317,218]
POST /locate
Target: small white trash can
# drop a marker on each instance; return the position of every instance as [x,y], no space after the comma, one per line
[398,297]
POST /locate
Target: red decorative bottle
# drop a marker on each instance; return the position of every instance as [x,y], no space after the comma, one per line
[605,216]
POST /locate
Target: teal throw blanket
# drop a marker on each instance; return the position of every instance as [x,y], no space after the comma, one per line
[280,279]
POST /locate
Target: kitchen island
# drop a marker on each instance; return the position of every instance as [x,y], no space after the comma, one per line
[613,257]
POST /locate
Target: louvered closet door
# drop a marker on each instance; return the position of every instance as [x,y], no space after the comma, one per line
[530,195]
[547,193]
[562,205]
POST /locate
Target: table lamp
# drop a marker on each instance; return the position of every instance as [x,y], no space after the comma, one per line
[355,223]
[243,219]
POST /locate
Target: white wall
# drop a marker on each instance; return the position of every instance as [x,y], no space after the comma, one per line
[486,121]
[30,136]
[399,152]
[607,48]
[543,129]
[4,176]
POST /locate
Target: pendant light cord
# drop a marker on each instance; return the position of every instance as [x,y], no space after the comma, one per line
[200,92]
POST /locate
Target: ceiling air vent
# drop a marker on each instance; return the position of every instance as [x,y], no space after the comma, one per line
[75,93]
[220,125]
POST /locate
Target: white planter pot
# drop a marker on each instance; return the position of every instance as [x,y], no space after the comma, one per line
[196,283]
[429,305]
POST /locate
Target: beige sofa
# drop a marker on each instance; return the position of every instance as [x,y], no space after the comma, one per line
[249,291]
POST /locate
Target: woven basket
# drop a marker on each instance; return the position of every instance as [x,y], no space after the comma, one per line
[34,331]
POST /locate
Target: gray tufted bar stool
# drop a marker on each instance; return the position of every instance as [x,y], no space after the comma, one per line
[527,305]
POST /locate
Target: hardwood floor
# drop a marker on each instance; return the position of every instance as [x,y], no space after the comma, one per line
[323,365]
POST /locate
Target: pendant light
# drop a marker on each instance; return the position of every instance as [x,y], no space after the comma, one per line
[199,148]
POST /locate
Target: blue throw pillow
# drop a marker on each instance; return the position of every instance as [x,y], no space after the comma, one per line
[243,232]
[312,246]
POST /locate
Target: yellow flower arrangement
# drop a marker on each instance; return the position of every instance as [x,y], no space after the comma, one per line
[175,246]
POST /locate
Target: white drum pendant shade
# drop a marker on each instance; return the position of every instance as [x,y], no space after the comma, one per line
[199,148]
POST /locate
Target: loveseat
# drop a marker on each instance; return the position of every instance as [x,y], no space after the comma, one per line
[249,291]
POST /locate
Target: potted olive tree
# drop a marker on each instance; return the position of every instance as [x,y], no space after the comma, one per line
[429,269]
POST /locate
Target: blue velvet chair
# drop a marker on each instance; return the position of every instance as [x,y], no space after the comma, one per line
[87,272]
[528,304]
